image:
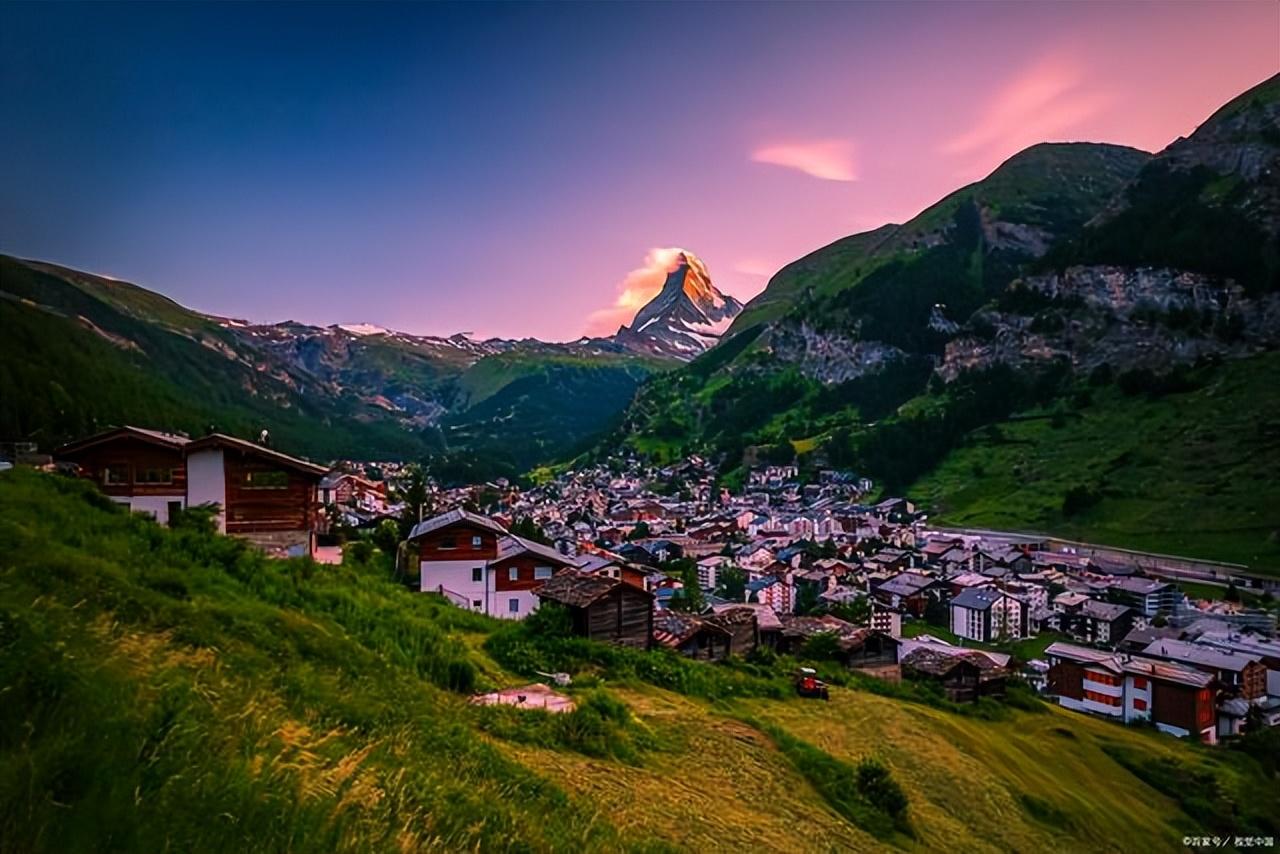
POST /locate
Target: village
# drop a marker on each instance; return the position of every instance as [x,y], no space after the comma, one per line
[656,557]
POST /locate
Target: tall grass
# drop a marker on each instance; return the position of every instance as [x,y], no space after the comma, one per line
[865,794]
[172,690]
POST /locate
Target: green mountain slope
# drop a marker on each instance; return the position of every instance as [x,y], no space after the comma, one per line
[1193,472]
[1209,203]
[171,690]
[1032,199]
[72,364]
[84,352]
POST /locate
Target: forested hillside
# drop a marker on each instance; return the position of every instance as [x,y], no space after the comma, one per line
[83,352]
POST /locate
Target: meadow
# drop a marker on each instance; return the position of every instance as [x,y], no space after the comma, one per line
[173,690]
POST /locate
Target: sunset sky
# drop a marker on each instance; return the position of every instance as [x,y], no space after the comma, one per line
[507,170]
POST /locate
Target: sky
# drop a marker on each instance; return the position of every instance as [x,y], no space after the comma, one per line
[522,170]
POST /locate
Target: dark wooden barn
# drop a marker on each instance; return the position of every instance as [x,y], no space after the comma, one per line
[603,609]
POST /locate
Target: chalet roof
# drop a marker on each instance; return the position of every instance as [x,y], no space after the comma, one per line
[1107,611]
[222,440]
[766,618]
[595,562]
[1205,656]
[509,545]
[1145,635]
[794,626]
[734,615]
[977,598]
[937,663]
[672,628]
[907,584]
[1139,586]
[578,590]
[154,437]
[453,517]
[1083,655]
[1167,671]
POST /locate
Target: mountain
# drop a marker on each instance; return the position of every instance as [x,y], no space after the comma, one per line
[1019,210]
[1209,203]
[687,316]
[169,689]
[1080,286]
[82,352]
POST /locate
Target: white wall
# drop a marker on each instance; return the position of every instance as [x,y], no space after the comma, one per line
[155,506]
[501,604]
[454,576]
[207,482]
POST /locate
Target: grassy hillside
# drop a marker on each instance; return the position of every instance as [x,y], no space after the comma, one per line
[170,690]
[1192,473]
[72,364]
[1050,188]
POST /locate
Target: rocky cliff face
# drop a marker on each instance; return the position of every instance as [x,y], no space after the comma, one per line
[687,317]
[1122,317]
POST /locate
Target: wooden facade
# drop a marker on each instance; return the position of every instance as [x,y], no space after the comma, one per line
[603,609]
[264,497]
[869,649]
[461,540]
[129,461]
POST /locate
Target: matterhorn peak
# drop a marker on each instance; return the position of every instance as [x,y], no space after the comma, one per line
[688,315]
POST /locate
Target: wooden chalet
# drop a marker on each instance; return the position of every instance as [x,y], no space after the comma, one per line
[694,637]
[477,564]
[266,497]
[604,609]
[145,470]
[743,627]
[869,649]
[964,676]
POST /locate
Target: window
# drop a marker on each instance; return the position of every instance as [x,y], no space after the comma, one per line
[155,475]
[115,474]
[476,542]
[477,573]
[475,603]
[1140,682]
[1139,705]
[448,542]
[542,572]
[268,479]
[1101,699]
[513,574]
[513,606]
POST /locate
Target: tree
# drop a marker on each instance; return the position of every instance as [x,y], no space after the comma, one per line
[807,599]
[731,583]
[690,597]
[640,531]
[530,530]
[936,613]
[387,537]
[857,612]
[415,501]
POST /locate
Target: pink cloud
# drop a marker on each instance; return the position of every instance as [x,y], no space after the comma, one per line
[637,288]
[1044,102]
[828,159]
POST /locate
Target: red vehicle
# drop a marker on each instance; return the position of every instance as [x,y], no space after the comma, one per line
[809,685]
